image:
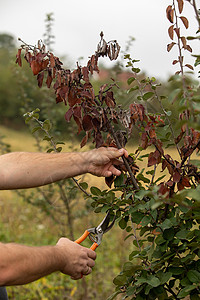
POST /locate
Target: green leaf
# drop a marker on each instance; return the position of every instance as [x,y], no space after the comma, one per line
[59,149]
[136,70]
[166,224]
[130,80]
[120,280]
[35,129]
[153,281]
[176,270]
[168,234]
[164,277]
[136,87]
[113,296]
[186,291]
[137,217]
[146,220]
[182,234]
[147,95]
[119,180]
[193,276]
[84,185]
[122,223]
[95,191]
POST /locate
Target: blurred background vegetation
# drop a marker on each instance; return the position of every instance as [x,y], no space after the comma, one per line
[26,217]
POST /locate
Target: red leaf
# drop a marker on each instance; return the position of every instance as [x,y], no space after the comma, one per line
[109,99]
[35,67]
[77,120]
[152,133]
[49,79]
[69,114]
[144,140]
[109,180]
[176,176]
[52,60]
[62,94]
[84,140]
[163,189]
[77,111]
[85,73]
[154,158]
[185,22]
[99,139]
[87,123]
[40,78]
[72,97]
[96,124]
[185,181]
[18,56]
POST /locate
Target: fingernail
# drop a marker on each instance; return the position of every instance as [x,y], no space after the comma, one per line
[121,151]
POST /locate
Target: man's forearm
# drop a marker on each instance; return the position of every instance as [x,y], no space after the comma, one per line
[22,264]
[26,170]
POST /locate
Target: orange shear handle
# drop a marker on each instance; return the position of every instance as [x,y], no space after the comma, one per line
[83,237]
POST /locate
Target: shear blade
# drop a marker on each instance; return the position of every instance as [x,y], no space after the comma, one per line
[104,224]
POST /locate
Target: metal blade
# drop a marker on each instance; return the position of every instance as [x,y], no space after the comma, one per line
[104,224]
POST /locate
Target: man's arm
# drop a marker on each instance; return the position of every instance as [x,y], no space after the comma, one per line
[26,170]
[21,264]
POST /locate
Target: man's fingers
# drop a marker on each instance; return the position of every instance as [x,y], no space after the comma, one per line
[92,254]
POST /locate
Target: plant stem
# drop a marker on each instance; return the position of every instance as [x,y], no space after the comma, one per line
[119,146]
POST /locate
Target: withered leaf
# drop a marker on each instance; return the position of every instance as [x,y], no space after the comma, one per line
[77,111]
[174,62]
[180,6]
[49,79]
[189,48]
[171,32]
[99,139]
[78,122]
[163,189]
[176,175]
[18,56]
[189,66]
[109,99]
[52,60]
[185,22]
[87,122]
[73,99]
[144,139]
[40,78]
[154,158]
[184,42]
[170,13]
[177,30]
[109,180]
[85,72]
[170,46]
[69,114]
[84,140]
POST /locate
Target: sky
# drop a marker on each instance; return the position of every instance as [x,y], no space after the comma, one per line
[78,24]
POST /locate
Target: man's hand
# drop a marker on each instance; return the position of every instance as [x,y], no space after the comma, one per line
[76,260]
[101,161]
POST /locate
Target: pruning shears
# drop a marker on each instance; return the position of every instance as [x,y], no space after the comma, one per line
[96,233]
